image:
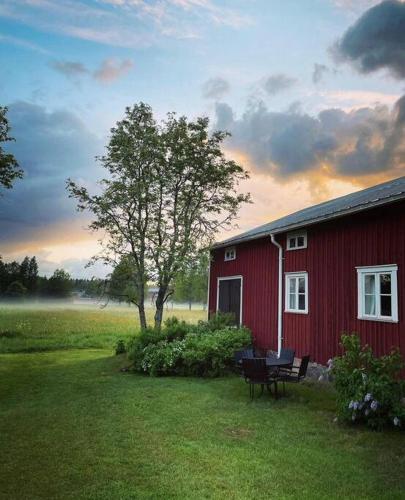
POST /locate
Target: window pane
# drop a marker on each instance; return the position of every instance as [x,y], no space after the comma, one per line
[386,309]
[301,302]
[385,283]
[292,243]
[369,283]
[369,305]
[292,301]
[301,285]
[293,282]
[300,241]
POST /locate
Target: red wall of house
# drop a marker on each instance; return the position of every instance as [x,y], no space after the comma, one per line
[335,248]
[257,263]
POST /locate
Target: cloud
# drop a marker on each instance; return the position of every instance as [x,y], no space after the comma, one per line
[70,69]
[376,41]
[349,100]
[21,42]
[355,5]
[319,72]
[335,143]
[50,146]
[163,12]
[215,88]
[111,70]
[277,83]
[108,71]
[125,23]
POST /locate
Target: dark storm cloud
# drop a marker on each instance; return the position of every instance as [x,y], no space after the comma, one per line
[319,72]
[277,83]
[377,40]
[49,147]
[284,144]
[215,88]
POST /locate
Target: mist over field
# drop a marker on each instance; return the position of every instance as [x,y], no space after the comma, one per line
[92,304]
[47,325]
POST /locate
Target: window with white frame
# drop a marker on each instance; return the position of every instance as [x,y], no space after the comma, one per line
[296,292]
[377,293]
[296,240]
[230,253]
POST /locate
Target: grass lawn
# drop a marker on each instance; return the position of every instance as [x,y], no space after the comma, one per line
[73,426]
[43,327]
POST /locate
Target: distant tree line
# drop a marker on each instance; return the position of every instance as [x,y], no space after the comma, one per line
[189,285]
[21,280]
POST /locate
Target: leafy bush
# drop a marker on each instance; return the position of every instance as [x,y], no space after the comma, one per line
[174,329]
[120,347]
[9,334]
[211,354]
[369,388]
[163,358]
[137,344]
[206,349]
[218,321]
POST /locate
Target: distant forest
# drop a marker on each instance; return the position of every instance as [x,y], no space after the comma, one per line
[21,280]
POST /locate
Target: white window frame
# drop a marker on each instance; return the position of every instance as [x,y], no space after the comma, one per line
[229,249]
[288,276]
[238,277]
[362,271]
[295,235]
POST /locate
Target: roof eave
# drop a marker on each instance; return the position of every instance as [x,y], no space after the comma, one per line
[309,222]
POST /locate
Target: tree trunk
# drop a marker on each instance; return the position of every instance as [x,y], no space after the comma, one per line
[142,315]
[160,302]
[189,305]
[141,307]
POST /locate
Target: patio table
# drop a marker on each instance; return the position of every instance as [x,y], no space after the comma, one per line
[275,362]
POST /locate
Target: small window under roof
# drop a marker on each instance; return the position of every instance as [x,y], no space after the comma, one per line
[297,240]
[230,253]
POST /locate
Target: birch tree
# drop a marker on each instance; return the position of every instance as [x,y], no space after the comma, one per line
[169,191]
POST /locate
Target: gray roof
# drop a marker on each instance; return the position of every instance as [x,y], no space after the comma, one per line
[361,200]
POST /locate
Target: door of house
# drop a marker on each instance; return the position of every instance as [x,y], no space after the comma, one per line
[230,297]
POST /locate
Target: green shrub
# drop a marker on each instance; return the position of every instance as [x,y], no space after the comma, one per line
[174,329]
[205,350]
[163,358]
[369,389]
[211,354]
[9,334]
[218,321]
[136,345]
[120,347]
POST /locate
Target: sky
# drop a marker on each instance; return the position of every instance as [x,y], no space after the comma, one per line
[311,91]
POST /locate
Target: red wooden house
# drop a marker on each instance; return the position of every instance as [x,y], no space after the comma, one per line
[302,280]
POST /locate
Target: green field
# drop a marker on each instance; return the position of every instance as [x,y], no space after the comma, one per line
[73,426]
[41,327]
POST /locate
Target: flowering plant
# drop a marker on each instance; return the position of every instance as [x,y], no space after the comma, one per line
[368,388]
[205,350]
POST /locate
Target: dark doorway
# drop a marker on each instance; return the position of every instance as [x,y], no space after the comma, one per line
[229,299]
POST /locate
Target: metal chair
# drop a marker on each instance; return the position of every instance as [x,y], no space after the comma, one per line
[239,355]
[255,372]
[287,354]
[259,352]
[294,374]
